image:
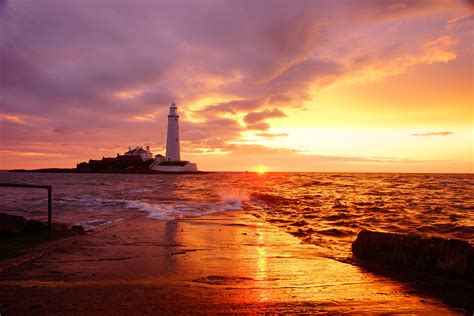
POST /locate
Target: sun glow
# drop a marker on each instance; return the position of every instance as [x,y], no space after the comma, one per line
[261,169]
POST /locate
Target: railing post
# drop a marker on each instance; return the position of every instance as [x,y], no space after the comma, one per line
[50,199]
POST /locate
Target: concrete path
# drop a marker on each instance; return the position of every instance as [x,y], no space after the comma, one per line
[226,263]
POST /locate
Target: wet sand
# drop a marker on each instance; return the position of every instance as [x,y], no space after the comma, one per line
[226,263]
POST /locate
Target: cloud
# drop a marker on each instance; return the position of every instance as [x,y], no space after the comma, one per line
[299,76]
[12,119]
[111,69]
[256,117]
[233,107]
[62,129]
[445,133]
[255,120]
[271,135]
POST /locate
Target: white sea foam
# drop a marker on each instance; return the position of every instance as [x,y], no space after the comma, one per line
[86,200]
[95,223]
[155,211]
[165,211]
[139,190]
[160,210]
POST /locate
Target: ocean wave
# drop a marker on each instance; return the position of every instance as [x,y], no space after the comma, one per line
[324,209]
[174,211]
[271,199]
[84,201]
[139,190]
[168,210]
[95,223]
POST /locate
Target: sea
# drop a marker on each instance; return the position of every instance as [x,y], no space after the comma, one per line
[327,210]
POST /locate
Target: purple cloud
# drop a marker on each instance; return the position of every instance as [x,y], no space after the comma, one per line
[110,69]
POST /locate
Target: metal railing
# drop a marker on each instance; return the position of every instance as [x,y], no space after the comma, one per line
[34,186]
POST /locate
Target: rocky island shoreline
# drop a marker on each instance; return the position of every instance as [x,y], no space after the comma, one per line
[120,164]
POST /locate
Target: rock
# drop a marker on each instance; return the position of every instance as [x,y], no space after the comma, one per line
[11,225]
[59,227]
[448,257]
[34,226]
[77,229]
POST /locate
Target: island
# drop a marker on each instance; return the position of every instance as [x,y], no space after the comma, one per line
[138,160]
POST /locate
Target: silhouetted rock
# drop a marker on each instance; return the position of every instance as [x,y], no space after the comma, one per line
[47,170]
[77,229]
[449,257]
[11,225]
[34,226]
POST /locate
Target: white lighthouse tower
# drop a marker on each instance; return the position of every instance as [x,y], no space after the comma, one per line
[172,139]
[172,162]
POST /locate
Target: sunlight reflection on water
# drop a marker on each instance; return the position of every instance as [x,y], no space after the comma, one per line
[325,209]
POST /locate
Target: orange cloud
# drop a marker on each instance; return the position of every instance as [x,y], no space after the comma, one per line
[107,88]
[446,133]
[255,120]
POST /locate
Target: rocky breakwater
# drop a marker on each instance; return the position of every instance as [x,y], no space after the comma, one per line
[438,256]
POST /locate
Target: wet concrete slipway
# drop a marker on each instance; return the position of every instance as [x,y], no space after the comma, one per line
[230,262]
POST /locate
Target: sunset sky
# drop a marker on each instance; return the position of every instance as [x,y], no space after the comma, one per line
[378,86]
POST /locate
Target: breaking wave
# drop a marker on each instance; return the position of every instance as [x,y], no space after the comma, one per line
[160,211]
[183,210]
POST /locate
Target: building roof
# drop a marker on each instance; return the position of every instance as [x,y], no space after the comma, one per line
[128,158]
[136,151]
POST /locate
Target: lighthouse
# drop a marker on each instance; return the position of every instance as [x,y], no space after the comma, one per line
[172,162]
[172,139]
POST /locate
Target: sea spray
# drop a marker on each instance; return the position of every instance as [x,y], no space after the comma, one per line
[183,210]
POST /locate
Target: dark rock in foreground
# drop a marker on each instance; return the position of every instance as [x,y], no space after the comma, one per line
[14,225]
[447,257]
[11,225]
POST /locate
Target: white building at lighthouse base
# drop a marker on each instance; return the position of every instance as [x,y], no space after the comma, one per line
[174,166]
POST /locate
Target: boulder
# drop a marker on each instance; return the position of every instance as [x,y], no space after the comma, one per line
[77,229]
[11,225]
[34,226]
[447,257]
